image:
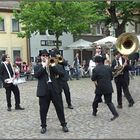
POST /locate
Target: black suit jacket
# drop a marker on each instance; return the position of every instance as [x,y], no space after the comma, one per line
[4,74]
[125,70]
[65,77]
[103,75]
[55,73]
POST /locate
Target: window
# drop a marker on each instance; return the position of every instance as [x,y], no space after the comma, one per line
[50,32]
[2,25]
[15,25]
[98,29]
[60,51]
[16,53]
[137,28]
[42,32]
[1,53]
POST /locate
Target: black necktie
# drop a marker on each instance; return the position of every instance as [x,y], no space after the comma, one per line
[118,63]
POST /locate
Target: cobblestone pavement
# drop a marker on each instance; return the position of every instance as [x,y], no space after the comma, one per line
[26,124]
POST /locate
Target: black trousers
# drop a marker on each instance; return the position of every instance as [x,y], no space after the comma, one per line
[122,84]
[66,89]
[15,90]
[108,101]
[44,102]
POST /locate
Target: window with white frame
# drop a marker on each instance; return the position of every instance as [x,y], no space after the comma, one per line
[2,25]
[15,25]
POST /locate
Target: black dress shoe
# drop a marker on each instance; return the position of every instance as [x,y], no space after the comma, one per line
[43,130]
[94,113]
[130,104]
[119,106]
[9,109]
[65,129]
[19,108]
[70,106]
[114,117]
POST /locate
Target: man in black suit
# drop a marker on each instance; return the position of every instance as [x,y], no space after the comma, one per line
[102,76]
[49,89]
[63,80]
[122,78]
[7,75]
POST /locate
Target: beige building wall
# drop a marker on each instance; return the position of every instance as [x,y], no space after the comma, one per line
[9,40]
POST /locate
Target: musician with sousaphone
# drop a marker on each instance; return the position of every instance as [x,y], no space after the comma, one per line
[127,43]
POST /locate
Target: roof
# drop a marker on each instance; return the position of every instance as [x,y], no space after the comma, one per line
[9,4]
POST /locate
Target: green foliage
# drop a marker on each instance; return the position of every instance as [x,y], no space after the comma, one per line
[59,17]
[71,16]
[0,19]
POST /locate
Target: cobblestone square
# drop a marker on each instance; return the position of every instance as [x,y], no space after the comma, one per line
[26,124]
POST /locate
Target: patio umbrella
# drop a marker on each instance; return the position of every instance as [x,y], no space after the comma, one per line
[80,44]
[106,39]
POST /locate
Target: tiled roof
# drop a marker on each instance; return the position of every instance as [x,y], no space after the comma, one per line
[9,4]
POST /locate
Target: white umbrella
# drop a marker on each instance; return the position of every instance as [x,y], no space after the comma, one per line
[106,39]
[80,44]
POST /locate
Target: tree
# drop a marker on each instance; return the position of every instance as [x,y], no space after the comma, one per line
[57,17]
[118,14]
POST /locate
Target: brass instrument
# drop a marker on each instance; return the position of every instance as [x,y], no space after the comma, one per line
[127,43]
[118,71]
[59,59]
[52,61]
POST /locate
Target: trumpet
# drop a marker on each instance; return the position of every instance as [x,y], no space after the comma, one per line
[52,61]
[59,59]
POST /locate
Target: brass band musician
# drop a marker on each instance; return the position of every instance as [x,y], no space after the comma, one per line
[49,89]
[63,80]
[120,66]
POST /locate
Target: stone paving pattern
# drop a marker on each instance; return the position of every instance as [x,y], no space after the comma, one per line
[82,125]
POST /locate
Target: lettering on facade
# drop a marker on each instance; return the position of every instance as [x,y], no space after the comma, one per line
[50,43]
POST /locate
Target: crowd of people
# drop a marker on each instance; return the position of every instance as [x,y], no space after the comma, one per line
[52,72]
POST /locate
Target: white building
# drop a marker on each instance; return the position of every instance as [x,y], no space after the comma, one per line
[39,42]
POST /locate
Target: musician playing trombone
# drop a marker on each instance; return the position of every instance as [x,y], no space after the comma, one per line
[120,67]
[49,89]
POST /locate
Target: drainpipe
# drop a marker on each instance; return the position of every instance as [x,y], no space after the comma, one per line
[28,50]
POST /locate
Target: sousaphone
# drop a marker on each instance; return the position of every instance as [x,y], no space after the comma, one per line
[127,43]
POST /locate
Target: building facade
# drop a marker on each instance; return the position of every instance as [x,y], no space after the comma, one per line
[10,43]
[46,41]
